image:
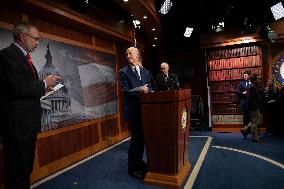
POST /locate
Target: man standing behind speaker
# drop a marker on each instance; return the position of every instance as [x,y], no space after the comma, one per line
[165,80]
[20,113]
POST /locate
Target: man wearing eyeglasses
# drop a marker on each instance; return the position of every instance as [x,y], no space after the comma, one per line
[20,112]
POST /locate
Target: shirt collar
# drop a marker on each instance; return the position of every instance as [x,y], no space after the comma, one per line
[137,67]
[21,48]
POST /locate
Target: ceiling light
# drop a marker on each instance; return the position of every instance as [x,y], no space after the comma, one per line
[277,11]
[219,26]
[145,17]
[155,38]
[136,23]
[153,29]
[125,0]
[154,45]
[87,1]
[188,32]
[166,7]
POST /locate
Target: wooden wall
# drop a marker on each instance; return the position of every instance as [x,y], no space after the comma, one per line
[62,147]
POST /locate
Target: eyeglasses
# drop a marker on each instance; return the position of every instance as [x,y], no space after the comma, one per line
[34,38]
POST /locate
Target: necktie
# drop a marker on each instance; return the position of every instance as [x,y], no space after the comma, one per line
[136,73]
[29,59]
[166,78]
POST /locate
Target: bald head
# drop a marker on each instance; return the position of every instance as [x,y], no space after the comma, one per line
[164,68]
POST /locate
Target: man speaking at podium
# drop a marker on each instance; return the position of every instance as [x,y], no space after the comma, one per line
[166,80]
[134,80]
[20,113]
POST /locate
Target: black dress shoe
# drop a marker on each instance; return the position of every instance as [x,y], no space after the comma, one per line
[136,174]
[143,167]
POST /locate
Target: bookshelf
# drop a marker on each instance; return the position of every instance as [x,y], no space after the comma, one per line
[226,68]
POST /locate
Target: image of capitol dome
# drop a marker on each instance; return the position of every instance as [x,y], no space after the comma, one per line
[56,108]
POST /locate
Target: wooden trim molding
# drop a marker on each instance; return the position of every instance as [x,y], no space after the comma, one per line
[75,18]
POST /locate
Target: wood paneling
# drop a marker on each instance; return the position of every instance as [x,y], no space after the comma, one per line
[63,147]
[103,43]
[56,147]
[61,31]
[109,128]
[10,16]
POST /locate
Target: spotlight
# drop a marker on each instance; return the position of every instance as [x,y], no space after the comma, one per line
[166,7]
[277,11]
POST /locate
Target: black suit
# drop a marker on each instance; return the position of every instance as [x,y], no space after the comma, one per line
[242,87]
[20,116]
[169,83]
[132,113]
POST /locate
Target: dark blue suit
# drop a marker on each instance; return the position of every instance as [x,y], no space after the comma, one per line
[132,112]
[242,86]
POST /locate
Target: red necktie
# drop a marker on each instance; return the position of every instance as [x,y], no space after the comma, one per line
[29,59]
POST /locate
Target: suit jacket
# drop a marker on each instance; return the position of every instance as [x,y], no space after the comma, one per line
[254,101]
[20,96]
[171,83]
[240,89]
[128,82]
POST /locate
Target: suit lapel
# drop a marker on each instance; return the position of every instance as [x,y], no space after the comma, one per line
[130,73]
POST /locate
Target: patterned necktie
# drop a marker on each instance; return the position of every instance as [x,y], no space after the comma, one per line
[136,73]
[29,59]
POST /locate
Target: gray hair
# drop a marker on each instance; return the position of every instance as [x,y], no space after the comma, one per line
[139,53]
[21,27]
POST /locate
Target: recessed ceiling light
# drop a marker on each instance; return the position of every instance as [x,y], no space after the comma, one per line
[188,32]
[155,38]
[153,29]
[125,0]
[145,17]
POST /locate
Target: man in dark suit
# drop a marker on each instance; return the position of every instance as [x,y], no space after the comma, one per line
[242,89]
[166,80]
[134,80]
[20,105]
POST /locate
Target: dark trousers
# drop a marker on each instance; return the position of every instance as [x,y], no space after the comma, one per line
[245,112]
[18,161]
[136,147]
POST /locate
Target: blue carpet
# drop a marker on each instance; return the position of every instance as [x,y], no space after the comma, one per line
[221,169]
[228,169]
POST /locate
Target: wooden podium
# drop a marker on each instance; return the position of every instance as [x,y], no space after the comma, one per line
[166,122]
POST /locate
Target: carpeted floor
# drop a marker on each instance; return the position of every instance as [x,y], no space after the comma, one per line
[231,162]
